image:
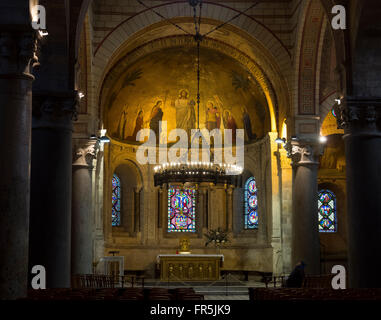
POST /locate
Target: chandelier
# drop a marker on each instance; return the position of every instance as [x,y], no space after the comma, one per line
[197,172]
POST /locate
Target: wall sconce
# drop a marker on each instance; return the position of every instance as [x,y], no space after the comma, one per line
[81,95]
[281,141]
[102,139]
[323,139]
[43,33]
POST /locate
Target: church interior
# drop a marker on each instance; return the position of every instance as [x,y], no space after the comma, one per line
[298,99]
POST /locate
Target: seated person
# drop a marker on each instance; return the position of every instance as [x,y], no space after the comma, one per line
[296,277]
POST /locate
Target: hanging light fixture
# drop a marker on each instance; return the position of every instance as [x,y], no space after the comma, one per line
[197,172]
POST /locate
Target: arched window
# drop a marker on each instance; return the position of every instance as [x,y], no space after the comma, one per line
[116,201]
[251,204]
[181,209]
[327,211]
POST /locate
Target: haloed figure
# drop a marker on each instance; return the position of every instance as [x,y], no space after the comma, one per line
[156,116]
[122,126]
[247,125]
[229,123]
[213,118]
[138,126]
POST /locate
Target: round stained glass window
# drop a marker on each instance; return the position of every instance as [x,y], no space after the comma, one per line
[253,217]
[253,202]
[252,188]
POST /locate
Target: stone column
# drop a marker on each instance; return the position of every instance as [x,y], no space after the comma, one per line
[229,208]
[361,120]
[81,218]
[305,232]
[51,185]
[17,56]
[137,191]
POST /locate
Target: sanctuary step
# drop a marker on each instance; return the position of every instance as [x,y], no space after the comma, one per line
[216,288]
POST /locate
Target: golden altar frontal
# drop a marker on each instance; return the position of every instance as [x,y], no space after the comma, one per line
[190,267]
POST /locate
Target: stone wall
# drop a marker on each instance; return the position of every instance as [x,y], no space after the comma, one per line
[248,249]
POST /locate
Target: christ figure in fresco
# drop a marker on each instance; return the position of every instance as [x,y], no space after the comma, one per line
[185,113]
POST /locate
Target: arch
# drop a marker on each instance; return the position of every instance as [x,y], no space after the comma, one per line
[327,207]
[208,12]
[308,58]
[130,179]
[255,43]
[256,71]
[251,218]
[366,51]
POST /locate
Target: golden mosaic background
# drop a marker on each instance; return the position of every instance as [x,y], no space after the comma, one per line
[226,87]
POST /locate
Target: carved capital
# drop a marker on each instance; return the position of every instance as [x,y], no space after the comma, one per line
[303,153]
[359,115]
[55,110]
[85,154]
[18,52]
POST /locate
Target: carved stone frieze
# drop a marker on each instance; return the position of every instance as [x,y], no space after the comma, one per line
[54,110]
[359,114]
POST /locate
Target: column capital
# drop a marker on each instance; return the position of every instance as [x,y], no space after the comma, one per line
[85,154]
[360,115]
[18,52]
[54,109]
[303,152]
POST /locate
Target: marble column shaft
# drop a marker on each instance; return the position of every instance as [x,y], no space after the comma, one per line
[51,185]
[305,233]
[82,221]
[17,56]
[361,120]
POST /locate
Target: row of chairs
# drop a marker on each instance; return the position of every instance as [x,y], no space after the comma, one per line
[115,294]
[310,281]
[94,281]
[260,294]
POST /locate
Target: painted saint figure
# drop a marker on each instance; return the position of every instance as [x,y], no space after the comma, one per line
[230,123]
[213,118]
[155,118]
[122,125]
[138,126]
[247,125]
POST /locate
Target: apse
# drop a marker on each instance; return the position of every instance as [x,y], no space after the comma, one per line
[163,86]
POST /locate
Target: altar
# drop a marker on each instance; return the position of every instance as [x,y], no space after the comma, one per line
[190,267]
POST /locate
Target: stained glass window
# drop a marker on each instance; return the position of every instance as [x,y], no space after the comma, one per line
[251,204]
[327,211]
[181,209]
[116,201]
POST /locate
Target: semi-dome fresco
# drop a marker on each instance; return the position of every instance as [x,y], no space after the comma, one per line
[162,86]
